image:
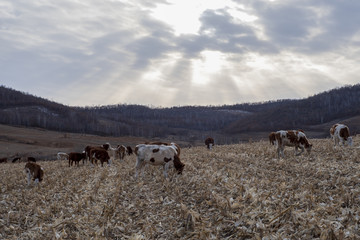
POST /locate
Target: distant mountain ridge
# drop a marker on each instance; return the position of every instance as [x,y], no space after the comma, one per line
[315,113]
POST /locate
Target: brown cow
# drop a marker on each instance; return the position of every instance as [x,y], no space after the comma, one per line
[99,154]
[76,157]
[209,142]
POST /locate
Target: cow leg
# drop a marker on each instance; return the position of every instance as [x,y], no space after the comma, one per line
[296,150]
[166,168]
[138,166]
[280,151]
[28,176]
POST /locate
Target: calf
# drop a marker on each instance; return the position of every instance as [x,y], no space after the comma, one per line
[340,134]
[76,157]
[157,155]
[292,138]
[99,154]
[3,160]
[35,171]
[209,142]
[31,159]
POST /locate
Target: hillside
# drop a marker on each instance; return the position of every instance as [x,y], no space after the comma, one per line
[44,144]
[191,124]
[238,191]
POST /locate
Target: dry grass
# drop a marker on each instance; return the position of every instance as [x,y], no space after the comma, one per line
[232,192]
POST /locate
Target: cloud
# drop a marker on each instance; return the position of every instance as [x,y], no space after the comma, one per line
[109,52]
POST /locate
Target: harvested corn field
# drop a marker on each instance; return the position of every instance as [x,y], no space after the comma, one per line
[231,192]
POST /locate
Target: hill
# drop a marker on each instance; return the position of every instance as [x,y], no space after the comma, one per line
[191,124]
[235,191]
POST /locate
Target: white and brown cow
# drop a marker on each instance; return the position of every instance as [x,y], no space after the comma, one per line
[209,142]
[163,155]
[122,151]
[175,145]
[35,171]
[340,134]
[272,138]
[292,138]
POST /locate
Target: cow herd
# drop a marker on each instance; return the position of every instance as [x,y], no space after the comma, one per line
[168,154]
[296,138]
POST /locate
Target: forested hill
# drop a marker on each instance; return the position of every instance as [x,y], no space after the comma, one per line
[325,108]
[195,122]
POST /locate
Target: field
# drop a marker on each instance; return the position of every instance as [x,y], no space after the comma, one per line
[239,191]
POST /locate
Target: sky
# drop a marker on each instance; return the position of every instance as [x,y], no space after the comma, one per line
[165,53]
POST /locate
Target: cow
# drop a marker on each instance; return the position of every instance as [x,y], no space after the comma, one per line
[99,154]
[157,155]
[122,151]
[340,134]
[76,157]
[3,160]
[88,148]
[209,142]
[35,171]
[272,138]
[62,156]
[175,145]
[292,138]
[31,159]
[129,150]
[16,159]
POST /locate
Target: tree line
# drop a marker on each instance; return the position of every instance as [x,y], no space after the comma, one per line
[19,108]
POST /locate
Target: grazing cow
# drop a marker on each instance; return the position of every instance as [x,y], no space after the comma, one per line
[272,138]
[129,150]
[35,171]
[340,134]
[175,145]
[62,156]
[99,154]
[3,160]
[122,151]
[76,157]
[157,155]
[16,159]
[31,159]
[88,149]
[209,142]
[292,138]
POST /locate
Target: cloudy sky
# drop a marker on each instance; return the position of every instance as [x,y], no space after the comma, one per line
[178,52]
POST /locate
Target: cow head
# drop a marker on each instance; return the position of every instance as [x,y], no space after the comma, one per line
[179,166]
[308,148]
